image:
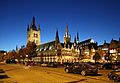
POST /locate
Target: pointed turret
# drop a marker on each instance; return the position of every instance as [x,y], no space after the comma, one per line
[33,20]
[39,27]
[67,30]
[112,39]
[28,28]
[57,37]
[67,37]
[57,42]
[77,38]
[33,24]
[75,41]
[16,48]
[104,41]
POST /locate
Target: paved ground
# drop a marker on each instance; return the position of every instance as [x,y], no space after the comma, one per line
[15,73]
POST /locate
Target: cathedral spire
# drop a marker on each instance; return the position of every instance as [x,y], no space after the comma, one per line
[39,27]
[57,37]
[33,21]
[57,42]
[77,37]
[75,40]
[67,37]
[67,29]
[28,28]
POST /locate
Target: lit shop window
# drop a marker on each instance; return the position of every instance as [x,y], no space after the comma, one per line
[113,51]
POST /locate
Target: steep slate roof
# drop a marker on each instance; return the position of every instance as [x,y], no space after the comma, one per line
[2,51]
[106,45]
[47,44]
[86,41]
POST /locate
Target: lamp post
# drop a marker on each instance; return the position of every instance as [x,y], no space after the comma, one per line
[27,57]
[4,57]
[26,62]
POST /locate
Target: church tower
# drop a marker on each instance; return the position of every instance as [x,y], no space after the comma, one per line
[33,34]
[67,38]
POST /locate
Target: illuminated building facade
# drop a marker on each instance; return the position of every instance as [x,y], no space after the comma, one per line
[55,51]
[114,50]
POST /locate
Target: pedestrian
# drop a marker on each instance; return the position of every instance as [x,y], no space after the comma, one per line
[33,63]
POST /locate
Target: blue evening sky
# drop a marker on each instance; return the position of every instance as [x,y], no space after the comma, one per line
[97,19]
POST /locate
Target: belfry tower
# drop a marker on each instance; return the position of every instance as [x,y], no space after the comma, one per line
[33,34]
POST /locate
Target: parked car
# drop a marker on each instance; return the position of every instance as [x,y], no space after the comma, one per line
[98,64]
[114,75]
[116,65]
[31,63]
[106,66]
[52,64]
[111,65]
[67,64]
[8,61]
[45,64]
[82,68]
[2,71]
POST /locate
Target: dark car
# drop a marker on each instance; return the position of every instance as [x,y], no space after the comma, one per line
[107,66]
[52,64]
[67,64]
[98,64]
[8,61]
[2,71]
[114,75]
[116,65]
[112,65]
[82,68]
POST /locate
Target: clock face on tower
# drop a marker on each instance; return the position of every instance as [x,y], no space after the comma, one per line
[35,35]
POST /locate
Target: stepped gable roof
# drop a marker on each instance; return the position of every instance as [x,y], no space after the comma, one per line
[114,41]
[113,44]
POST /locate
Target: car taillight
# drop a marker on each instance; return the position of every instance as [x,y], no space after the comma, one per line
[93,69]
[90,69]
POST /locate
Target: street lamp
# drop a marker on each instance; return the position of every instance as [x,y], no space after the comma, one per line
[27,57]
[4,56]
